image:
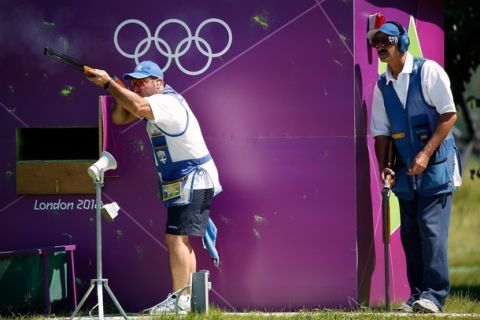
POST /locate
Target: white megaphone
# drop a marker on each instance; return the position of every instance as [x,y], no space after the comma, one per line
[105,163]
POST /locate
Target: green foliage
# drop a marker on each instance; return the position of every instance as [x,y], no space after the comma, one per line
[462,50]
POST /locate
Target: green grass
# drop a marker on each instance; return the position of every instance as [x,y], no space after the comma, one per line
[322,314]
[464,239]
[464,244]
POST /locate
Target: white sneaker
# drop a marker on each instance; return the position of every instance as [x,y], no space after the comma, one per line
[425,306]
[170,306]
[405,308]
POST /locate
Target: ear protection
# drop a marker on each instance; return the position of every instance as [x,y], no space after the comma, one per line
[403,40]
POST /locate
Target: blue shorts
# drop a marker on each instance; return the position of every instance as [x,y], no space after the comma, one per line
[191,219]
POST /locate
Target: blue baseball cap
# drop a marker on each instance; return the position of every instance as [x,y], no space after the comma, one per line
[388,28]
[143,70]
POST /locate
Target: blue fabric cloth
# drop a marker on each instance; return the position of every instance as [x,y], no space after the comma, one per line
[209,241]
[424,234]
[412,128]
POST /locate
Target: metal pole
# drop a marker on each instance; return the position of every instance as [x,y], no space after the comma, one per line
[386,242]
[99,282]
[98,204]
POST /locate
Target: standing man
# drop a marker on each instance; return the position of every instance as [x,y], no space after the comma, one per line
[413,107]
[188,175]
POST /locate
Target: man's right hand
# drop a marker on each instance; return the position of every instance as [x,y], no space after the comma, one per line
[388,174]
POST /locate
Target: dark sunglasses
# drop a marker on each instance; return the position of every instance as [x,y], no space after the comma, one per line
[385,41]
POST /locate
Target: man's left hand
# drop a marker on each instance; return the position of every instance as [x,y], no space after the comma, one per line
[98,77]
[419,164]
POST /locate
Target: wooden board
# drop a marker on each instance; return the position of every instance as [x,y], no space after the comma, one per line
[54,177]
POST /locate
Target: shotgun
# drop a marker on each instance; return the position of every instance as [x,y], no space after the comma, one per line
[49,52]
[386,220]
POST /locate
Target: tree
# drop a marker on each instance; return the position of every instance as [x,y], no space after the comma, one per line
[462,49]
[462,57]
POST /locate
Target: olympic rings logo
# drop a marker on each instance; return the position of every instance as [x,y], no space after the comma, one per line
[182,47]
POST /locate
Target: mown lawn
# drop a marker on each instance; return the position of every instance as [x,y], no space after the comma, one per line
[464,243]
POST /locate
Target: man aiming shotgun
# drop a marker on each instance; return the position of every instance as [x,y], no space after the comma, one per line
[188,176]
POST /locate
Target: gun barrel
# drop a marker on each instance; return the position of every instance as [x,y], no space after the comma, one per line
[49,52]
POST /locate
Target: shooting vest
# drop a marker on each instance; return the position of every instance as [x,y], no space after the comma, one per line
[177,177]
[411,128]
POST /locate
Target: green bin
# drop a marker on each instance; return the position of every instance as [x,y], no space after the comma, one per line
[22,280]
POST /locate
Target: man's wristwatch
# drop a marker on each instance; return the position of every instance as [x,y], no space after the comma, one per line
[107,84]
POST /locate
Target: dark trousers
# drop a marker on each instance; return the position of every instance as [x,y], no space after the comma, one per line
[424,234]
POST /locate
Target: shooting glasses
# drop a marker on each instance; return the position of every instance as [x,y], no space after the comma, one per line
[384,41]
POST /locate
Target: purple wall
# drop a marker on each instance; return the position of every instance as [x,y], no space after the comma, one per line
[284,113]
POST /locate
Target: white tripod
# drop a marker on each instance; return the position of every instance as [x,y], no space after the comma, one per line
[96,171]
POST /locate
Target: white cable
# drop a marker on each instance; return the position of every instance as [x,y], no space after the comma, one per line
[91,310]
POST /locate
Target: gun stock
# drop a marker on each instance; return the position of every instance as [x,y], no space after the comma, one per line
[388,185]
